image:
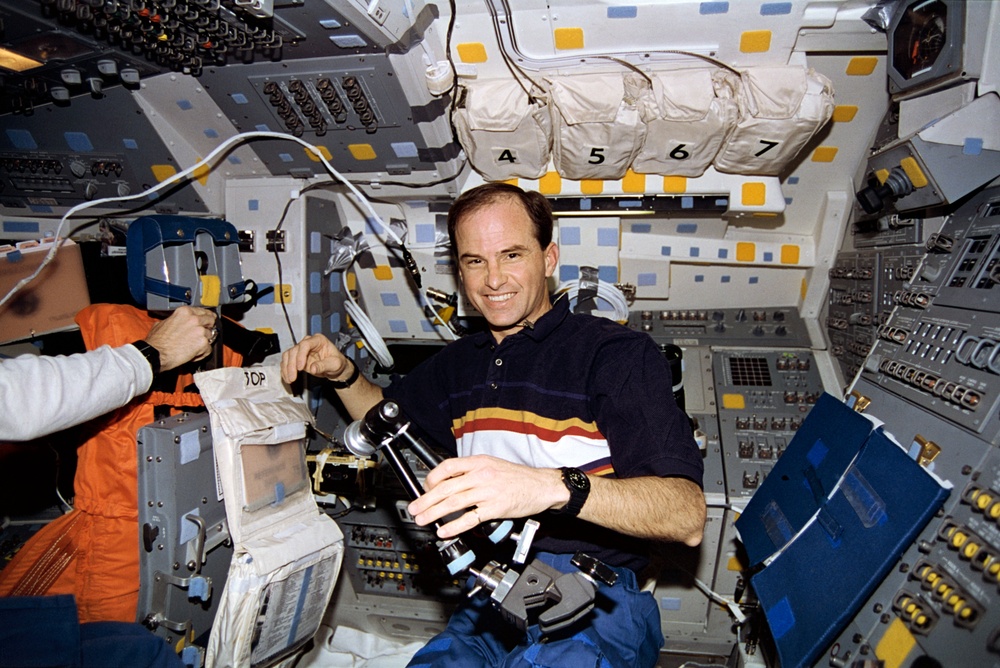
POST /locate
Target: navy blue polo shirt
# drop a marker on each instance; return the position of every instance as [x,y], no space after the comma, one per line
[576,390]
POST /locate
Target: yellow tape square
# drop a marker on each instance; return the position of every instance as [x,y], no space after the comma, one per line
[844,113]
[746,251]
[861,66]
[633,182]
[754,194]
[675,184]
[824,154]
[550,184]
[362,151]
[382,272]
[471,52]
[755,41]
[734,401]
[569,38]
[591,186]
[789,254]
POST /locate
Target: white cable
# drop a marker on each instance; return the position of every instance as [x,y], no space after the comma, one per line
[69,506]
[605,291]
[184,174]
[374,342]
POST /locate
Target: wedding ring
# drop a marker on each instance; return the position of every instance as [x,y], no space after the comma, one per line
[214,335]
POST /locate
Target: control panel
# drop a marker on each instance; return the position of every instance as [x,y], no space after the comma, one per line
[763,397]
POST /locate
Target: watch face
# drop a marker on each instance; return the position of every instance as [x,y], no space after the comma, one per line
[578,479]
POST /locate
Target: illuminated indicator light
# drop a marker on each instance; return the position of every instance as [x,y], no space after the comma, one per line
[634,183]
[789,254]
[362,151]
[382,272]
[324,151]
[568,38]
[163,172]
[754,194]
[591,186]
[844,113]
[675,184]
[471,52]
[550,184]
[861,66]
[913,170]
[746,251]
[755,41]
[733,401]
[824,154]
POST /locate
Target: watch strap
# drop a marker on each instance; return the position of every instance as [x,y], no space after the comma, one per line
[151,354]
[344,384]
[578,484]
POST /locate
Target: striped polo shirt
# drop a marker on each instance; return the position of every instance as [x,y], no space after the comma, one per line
[575,390]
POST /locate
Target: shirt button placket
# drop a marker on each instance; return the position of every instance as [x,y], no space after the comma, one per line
[498,362]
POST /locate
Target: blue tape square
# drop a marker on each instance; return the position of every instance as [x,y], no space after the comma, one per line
[775,8]
[972,146]
[623,12]
[569,272]
[569,236]
[713,8]
[607,236]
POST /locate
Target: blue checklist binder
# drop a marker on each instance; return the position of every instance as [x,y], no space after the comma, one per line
[866,501]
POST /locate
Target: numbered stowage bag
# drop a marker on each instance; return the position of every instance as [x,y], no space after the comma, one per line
[287,554]
[505,133]
[780,109]
[688,116]
[596,128]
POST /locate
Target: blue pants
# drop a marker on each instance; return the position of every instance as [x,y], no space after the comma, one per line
[622,631]
[44,631]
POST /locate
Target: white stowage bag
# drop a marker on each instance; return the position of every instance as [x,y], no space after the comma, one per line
[780,109]
[287,554]
[596,128]
[505,133]
[689,114]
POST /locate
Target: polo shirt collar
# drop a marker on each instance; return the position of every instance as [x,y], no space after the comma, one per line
[545,325]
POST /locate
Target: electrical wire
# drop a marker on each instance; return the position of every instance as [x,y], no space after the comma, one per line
[605,291]
[224,146]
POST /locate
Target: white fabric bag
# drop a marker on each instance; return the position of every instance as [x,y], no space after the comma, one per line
[596,128]
[781,108]
[505,134]
[688,116]
[287,554]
